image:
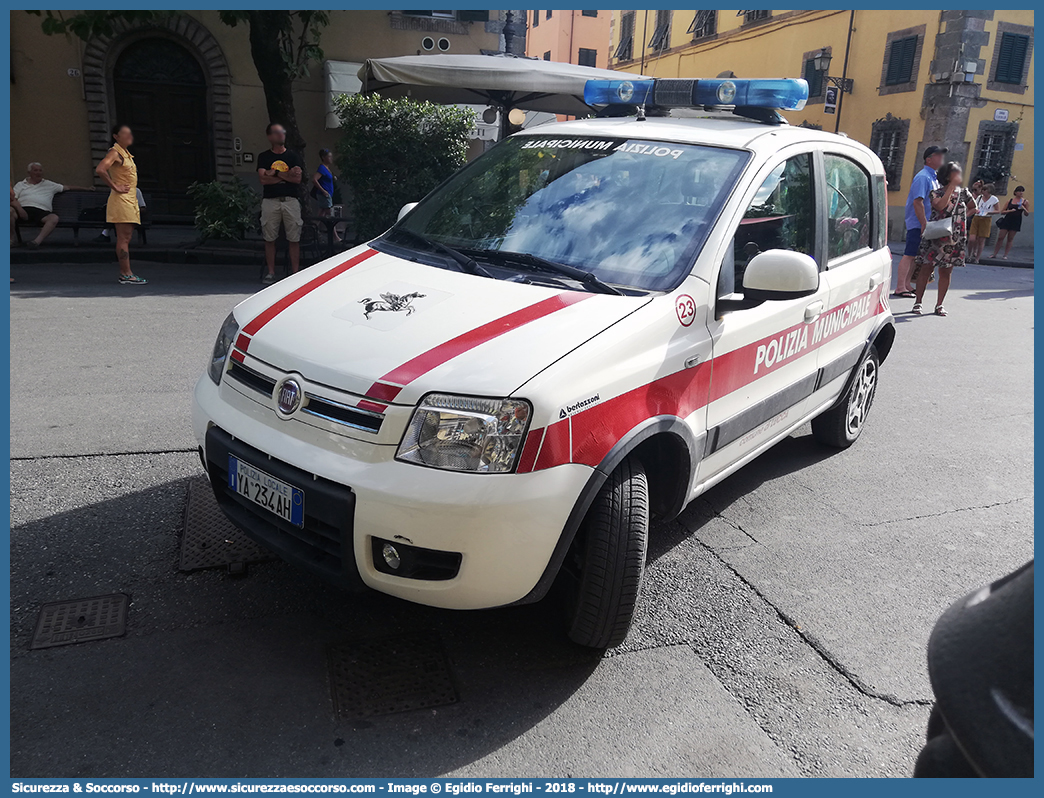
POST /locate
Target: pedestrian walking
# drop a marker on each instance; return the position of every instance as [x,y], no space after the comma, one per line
[1011,220]
[986,207]
[120,174]
[916,217]
[280,171]
[951,201]
[323,187]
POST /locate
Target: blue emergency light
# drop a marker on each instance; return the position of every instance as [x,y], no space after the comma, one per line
[788,94]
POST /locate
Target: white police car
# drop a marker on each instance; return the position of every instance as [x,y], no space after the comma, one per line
[585,328]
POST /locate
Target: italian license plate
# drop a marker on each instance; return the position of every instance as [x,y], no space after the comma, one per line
[266,491]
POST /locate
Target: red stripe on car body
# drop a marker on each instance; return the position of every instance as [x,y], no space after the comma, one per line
[238,356]
[529,450]
[265,316]
[597,429]
[388,387]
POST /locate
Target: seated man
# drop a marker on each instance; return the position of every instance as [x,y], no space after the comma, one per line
[36,197]
[17,214]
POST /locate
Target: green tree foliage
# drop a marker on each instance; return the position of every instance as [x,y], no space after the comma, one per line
[394,151]
[225,210]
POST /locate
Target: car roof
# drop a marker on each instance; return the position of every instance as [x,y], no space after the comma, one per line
[714,129]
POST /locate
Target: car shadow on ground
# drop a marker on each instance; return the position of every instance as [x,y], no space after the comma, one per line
[794,453]
[234,666]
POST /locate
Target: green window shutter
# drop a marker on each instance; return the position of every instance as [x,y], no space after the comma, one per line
[900,61]
[814,78]
[1012,58]
[473,16]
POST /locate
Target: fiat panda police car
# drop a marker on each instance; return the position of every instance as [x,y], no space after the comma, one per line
[585,328]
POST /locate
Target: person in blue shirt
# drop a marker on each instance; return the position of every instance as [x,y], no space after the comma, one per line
[917,210]
[323,185]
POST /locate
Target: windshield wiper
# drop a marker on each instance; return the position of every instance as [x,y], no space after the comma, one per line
[467,264]
[586,278]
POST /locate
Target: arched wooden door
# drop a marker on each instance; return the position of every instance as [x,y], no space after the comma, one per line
[161,93]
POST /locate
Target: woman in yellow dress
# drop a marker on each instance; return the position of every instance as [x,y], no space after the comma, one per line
[118,171]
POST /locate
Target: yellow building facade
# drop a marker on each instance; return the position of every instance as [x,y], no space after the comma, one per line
[960,79]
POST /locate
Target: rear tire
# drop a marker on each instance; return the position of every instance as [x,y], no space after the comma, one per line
[841,424]
[605,563]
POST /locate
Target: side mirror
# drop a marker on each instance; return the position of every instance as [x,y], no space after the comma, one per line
[409,206]
[774,275]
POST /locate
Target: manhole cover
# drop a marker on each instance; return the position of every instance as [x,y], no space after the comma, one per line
[389,674]
[208,539]
[63,622]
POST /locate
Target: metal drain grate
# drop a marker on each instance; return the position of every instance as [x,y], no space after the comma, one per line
[61,623]
[389,674]
[208,539]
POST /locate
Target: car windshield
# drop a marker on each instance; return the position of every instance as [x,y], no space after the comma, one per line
[632,212]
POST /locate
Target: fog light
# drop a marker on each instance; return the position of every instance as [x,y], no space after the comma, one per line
[391,556]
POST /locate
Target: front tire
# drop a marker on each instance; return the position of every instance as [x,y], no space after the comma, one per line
[607,558]
[841,425]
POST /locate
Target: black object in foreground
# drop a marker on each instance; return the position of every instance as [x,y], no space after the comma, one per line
[980,660]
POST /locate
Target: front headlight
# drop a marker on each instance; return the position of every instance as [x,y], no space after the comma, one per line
[225,339]
[463,433]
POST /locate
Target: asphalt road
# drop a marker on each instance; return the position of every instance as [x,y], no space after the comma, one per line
[781,629]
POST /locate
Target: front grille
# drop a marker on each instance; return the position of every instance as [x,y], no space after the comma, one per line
[343,414]
[315,406]
[251,379]
[323,545]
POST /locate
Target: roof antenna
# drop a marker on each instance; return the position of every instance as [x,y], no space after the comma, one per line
[641,113]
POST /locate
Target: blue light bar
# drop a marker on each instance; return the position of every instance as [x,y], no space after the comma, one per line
[787,94]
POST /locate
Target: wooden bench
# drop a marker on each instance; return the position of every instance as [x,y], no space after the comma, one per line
[85,209]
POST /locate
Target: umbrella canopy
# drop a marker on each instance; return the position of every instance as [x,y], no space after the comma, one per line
[500,80]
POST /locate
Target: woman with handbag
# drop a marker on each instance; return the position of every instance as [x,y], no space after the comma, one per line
[1011,220]
[944,243]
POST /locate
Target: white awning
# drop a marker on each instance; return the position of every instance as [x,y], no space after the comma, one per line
[498,80]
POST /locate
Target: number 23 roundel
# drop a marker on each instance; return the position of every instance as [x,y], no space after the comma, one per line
[686,309]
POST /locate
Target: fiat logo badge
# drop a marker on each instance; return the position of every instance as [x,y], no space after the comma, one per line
[288,398]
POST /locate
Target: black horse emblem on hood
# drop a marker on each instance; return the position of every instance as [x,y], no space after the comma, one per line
[392,302]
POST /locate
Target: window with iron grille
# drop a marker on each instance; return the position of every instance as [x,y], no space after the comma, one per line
[994,152]
[814,78]
[661,38]
[587,57]
[888,139]
[588,13]
[704,25]
[625,49]
[1011,58]
[901,61]
[547,56]
[754,16]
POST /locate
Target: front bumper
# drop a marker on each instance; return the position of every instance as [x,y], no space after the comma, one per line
[504,526]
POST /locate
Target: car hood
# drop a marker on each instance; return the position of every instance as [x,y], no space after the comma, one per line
[392,330]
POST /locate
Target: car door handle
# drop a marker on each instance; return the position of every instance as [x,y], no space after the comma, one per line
[875,281]
[814,311]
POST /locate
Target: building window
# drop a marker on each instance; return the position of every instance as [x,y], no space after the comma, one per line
[754,16]
[901,61]
[536,19]
[994,151]
[1011,58]
[704,25]
[661,38]
[1009,68]
[814,78]
[589,13]
[587,57]
[547,56]
[888,139]
[625,49]
[548,13]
